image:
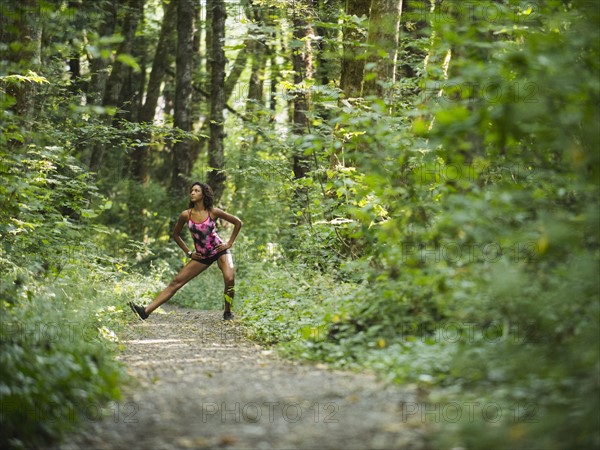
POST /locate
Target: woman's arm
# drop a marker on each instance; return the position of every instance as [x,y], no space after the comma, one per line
[237,225]
[177,231]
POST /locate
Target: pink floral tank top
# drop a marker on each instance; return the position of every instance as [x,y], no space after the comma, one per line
[204,235]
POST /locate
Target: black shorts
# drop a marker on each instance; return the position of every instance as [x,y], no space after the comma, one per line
[213,258]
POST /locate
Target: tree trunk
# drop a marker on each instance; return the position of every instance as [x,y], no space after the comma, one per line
[257,48]
[119,71]
[239,64]
[303,69]
[99,75]
[326,46]
[274,66]
[183,94]
[257,77]
[74,61]
[216,158]
[24,56]
[162,60]
[353,63]
[132,90]
[326,54]
[274,77]
[208,42]
[411,31]
[383,46]
[197,116]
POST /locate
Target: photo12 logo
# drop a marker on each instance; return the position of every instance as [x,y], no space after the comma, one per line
[448,91]
[478,12]
[54,412]
[471,411]
[463,252]
[48,333]
[254,412]
[470,172]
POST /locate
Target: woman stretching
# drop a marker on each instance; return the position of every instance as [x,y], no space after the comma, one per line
[208,246]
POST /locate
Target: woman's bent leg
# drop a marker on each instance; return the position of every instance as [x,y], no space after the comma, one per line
[225,263]
[189,271]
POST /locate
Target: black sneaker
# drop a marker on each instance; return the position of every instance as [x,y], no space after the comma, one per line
[139,310]
[227,315]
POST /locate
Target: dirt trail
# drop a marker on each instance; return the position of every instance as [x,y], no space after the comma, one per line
[202,384]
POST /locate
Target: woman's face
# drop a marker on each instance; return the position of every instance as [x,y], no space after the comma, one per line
[196,193]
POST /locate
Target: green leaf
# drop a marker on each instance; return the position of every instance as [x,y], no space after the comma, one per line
[129,60]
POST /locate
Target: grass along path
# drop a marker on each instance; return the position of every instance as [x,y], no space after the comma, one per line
[202,384]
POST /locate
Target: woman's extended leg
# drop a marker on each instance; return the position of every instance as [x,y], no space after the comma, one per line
[225,263]
[189,271]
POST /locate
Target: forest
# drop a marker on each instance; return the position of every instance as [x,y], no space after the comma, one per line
[418,181]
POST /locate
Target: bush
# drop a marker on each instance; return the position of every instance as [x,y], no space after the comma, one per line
[61,300]
[472,232]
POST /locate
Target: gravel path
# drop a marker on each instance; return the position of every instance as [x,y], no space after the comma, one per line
[202,384]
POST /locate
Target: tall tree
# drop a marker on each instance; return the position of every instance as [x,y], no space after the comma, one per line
[327,67]
[98,65]
[257,74]
[383,45]
[24,35]
[353,62]
[275,69]
[134,82]
[412,32]
[201,86]
[118,74]
[74,61]
[162,61]
[182,118]
[257,49]
[238,66]
[302,63]
[134,9]
[198,115]
[216,157]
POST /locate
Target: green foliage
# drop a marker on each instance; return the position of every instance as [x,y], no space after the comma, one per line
[469,232]
[64,286]
[446,235]
[284,303]
[57,365]
[44,198]
[62,294]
